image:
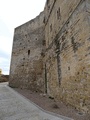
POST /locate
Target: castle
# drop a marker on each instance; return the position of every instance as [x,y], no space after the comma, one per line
[51,53]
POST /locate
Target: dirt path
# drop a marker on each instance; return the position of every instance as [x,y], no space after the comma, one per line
[51,105]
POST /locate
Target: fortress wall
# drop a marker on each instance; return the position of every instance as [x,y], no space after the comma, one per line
[51,53]
[58,15]
[68,53]
[26,64]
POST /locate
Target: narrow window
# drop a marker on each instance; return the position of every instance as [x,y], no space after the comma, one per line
[26,36]
[45,79]
[58,13]
[51,28]
[68,68]
[28,52]
[44,20]
[48,7]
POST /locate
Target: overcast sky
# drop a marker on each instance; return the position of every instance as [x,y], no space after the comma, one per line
[12,14]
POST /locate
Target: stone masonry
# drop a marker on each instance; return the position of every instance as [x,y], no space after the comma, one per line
[52,53]
[27,64]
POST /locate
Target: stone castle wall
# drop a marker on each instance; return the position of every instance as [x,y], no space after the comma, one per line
[26,64]
[67,33]
[52,52]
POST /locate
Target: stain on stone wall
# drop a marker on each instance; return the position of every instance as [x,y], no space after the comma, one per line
[27,60]
[67,55]
[51,53]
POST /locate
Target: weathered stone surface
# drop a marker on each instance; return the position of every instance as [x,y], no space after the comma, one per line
[52,53]
[26,64]
[67,56]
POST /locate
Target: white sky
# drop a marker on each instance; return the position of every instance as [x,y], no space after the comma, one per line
[12,14]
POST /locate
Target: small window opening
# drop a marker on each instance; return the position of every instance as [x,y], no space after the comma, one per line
[78,73]
[51,28]
[44,42]
[28,52]
[68,68]
[48,7]
[26,36]
[44,20]
[58,13]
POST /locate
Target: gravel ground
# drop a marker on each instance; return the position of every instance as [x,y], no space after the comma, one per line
[51,105]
